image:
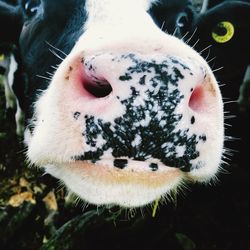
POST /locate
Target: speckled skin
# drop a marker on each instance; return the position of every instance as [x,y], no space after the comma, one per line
[150,117]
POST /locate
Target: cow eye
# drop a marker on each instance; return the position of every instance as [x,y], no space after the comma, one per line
[31,7]
[223,32]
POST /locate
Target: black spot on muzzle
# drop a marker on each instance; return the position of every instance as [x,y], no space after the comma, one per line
[149,130]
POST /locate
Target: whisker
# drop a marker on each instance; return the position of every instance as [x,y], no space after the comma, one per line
[231,138]
[195,43]
[166,30]
[54,53]
[56,48]
[230,150]
[54,67]
[162,26]
[175,30]
[230,117]
[222,85]
[187,41]
[211,59]
[228,125]
[225,163]
[226,154]
[185,35]
[44,77]
[226,159]
[208,54]
[220,68]
[233,101]
[208,47]
[49,73]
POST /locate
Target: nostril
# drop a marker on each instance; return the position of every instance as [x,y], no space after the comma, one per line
[98,88]
[197,99]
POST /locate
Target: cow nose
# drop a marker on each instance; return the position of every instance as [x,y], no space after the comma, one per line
[98,78]
[144,108]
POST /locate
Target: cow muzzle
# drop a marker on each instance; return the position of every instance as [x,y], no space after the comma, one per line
[125,128]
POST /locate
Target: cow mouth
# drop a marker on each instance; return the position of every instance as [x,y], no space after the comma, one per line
[129,165]
[136,173]
[102,184]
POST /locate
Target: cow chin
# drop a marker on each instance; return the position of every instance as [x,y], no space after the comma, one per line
[105,185]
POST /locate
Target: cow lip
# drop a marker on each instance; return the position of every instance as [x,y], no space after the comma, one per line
[127,164]
[100,172]
[105,185]
[108,173]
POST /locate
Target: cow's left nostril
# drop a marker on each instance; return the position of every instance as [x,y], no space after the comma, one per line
[97,88]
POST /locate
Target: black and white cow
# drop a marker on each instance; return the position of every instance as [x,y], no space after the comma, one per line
[122,112]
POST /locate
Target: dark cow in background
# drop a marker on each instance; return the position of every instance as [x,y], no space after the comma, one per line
[223,31]
[239,57]
[220,35]
[119,110]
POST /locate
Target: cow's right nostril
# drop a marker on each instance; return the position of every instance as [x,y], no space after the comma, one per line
[196,101]
[97,88]
[203,97]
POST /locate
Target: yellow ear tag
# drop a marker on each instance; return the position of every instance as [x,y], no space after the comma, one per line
[155,207]
[223,32]
[1,57]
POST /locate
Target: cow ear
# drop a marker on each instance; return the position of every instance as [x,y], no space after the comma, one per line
[11,22]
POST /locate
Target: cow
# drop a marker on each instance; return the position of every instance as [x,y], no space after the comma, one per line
[220,35]
[237,13]
[117,109]
[222,30]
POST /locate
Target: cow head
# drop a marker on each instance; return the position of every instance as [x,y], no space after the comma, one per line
[121,112]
